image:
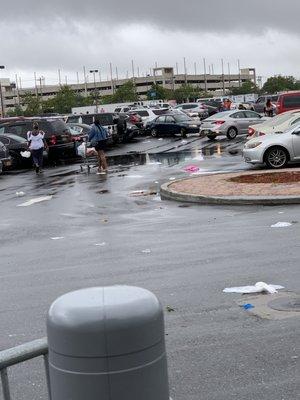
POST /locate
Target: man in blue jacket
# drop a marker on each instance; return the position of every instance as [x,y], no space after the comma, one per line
[98,138]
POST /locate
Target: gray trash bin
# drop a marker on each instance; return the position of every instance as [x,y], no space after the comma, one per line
[107,343]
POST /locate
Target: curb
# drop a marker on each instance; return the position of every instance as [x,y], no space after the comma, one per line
[168,194]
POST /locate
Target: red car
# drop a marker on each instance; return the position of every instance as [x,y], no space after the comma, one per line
[288,101]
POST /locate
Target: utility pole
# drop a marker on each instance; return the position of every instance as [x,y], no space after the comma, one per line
[228,65]
[59,78]
[111,78]
[205,80]
[1,96]
[77,75]
[185,73]
[239,69]
[195,68]
[85,84]
[94,71]
[17,87]
[223,81]
[35,85]
[177,68]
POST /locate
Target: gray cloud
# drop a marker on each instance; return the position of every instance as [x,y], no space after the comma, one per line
[252,16]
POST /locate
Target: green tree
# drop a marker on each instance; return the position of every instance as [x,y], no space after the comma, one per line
[126,92]
[16,112]
[158,92]
[245,88]
[65,100]
[186,93]
[280,83]
[32,105]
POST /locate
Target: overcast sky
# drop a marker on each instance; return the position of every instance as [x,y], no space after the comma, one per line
[44,36]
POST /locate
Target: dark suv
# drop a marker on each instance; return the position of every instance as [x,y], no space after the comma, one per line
[5,160]
[57,134]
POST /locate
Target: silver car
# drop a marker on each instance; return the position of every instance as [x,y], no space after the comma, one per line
[230,123]
[275,150]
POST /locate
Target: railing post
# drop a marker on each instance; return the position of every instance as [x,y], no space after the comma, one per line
[5,384]
[107,342]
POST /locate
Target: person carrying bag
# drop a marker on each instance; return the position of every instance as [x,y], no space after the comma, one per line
[98,137]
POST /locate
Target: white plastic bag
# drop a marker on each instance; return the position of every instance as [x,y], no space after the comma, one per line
[81,150]
[25,154]
[259,287]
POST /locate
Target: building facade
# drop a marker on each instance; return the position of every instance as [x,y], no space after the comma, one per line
[216,84]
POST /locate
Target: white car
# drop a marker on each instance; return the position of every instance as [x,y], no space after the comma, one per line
[277,124]
[274,150]
[193,110]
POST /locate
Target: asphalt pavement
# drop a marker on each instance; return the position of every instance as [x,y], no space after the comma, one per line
[93,230]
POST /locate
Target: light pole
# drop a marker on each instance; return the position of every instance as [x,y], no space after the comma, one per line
[94,72]
[1,95]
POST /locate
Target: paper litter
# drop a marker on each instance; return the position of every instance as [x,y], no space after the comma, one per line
[20,194]
[191,168]
[57,238]
[259,287]
[35,200]
[281,225]
[25,154]
[146,251]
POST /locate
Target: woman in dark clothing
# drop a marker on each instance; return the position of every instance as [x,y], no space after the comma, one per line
[98,137]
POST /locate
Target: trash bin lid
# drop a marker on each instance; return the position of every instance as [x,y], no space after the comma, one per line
[105,321]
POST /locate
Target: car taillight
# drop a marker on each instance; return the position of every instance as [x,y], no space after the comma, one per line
[251,131]
[53,140]
[219,122]
[261,134]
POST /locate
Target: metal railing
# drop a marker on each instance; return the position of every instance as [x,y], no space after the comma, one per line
[19,354]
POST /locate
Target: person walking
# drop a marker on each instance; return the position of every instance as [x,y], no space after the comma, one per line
[37,144]
[98,137]
[269,109]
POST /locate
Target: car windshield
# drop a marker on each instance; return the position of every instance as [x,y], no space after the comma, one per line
[18,139]
[278,120]
[221,114]
[181,117]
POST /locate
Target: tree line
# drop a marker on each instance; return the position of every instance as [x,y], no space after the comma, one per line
[67,98]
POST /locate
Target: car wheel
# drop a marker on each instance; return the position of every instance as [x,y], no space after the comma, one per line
[183,132]
[276,157]
[153,132]
[211,137]
[231,133]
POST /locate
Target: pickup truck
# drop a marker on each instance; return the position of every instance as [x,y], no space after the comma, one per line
[260,103]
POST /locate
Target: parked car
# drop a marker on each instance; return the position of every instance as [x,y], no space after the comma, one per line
[172,124]
[260,102]
[78,131]
[16,145]
[274,150]
[5,159]
[127,130]
[193,109]
[288,101]
[277,124]
[57,134]
[229,123]
[149,114]
[107,120]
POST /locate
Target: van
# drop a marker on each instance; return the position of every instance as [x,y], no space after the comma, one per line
[288,101]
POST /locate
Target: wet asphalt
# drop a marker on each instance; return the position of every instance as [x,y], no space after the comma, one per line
[114,229]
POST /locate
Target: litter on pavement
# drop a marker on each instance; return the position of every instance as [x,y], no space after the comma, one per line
[100,244]
[57,238]
[20,194]
[35,200]
[281,225]
[259,287]
[146,251]
[191,168]
[247,306]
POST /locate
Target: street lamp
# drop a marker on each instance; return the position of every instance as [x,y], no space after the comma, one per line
[94,72]
[1,95]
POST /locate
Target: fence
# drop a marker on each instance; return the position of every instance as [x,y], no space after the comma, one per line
[19,354]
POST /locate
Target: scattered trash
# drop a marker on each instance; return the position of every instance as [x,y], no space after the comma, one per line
[103,191]
[184,205]
[20,194]
[160,139]
[247,306]
[146,251]
[191,168]
[146,141]
[281,212]
[199,157]
[25,154]
[100,244]
[170,309]
[104,220]
[57,238]
[281,225]
[34,201]
[259,287]
[137,193]
[81,150]
[154,163]
[172,178]
[134,176]
[183,142]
